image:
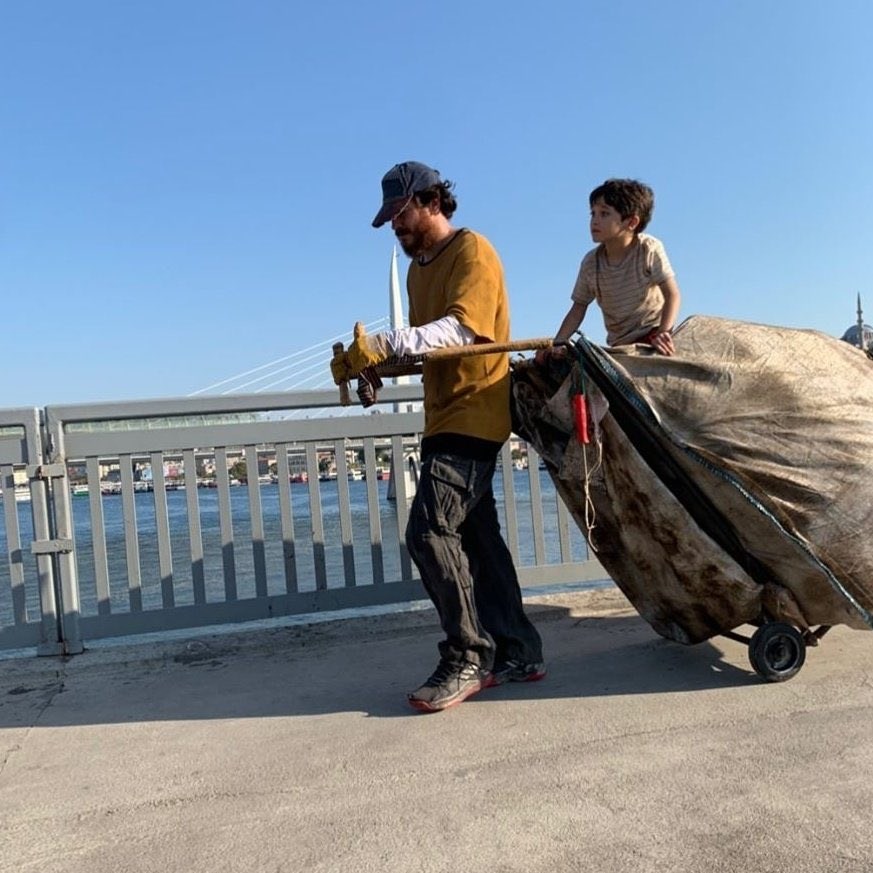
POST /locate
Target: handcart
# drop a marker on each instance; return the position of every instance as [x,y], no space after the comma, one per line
[728,486]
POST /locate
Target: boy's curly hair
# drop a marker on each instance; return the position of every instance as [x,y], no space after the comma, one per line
[627,197]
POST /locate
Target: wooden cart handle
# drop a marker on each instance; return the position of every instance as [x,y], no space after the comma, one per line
[392,369]
[522,345]
[345,396]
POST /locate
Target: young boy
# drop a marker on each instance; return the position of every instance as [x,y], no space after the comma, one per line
[628,273]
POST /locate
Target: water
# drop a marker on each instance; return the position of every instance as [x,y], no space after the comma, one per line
[243,552]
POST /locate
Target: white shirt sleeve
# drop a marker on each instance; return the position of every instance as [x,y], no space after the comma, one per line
[439,334]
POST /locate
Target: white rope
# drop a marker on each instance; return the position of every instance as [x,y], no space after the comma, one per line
[590,510]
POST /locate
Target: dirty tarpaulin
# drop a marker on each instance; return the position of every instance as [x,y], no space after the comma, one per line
[730,482]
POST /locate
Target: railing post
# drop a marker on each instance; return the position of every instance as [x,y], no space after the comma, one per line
[61,542]
[50,634]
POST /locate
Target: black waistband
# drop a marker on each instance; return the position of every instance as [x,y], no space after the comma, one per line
[459,444]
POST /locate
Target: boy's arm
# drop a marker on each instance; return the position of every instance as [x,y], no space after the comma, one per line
[663,340]
[672,299]
[571,321]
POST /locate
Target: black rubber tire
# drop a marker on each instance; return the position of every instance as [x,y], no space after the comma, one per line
[777,651]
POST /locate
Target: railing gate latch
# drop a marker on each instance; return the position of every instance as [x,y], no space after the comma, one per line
[46,471]
[51,547]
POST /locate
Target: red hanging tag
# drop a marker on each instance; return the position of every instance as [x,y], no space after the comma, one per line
[580,418]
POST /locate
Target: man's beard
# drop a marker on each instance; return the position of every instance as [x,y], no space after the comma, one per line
[412,243]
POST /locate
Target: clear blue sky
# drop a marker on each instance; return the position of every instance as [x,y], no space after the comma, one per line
[186,188]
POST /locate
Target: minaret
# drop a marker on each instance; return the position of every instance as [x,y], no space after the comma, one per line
[860,325]
[395,309]
[394,303]
[408,460]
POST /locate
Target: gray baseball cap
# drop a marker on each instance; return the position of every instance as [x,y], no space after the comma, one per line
[398,186]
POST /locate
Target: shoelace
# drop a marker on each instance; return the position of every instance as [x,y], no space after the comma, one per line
[447,670]
[443,671]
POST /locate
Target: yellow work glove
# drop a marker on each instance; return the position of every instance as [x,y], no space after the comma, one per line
[366,350]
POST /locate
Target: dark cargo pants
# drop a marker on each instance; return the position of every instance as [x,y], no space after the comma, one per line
[453,535]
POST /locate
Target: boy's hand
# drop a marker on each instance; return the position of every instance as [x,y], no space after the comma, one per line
[559,350]
[661,341]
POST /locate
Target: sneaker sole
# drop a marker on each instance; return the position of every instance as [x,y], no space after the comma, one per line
[529,677]
[427,706]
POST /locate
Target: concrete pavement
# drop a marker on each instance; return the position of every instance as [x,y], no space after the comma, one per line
[293,750]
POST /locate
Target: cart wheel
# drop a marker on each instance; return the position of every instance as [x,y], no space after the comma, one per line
[777,651]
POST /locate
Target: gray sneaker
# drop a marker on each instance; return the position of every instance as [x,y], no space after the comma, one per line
[449,685]
[517,671]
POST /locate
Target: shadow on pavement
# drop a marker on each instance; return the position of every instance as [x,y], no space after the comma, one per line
[304,672]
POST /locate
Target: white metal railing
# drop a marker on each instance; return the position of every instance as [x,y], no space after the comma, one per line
[135,522]
[28,607]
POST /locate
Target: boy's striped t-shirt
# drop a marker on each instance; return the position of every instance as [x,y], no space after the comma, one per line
[627,292]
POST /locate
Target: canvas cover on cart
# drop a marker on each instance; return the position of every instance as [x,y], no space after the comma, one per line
[728,484]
